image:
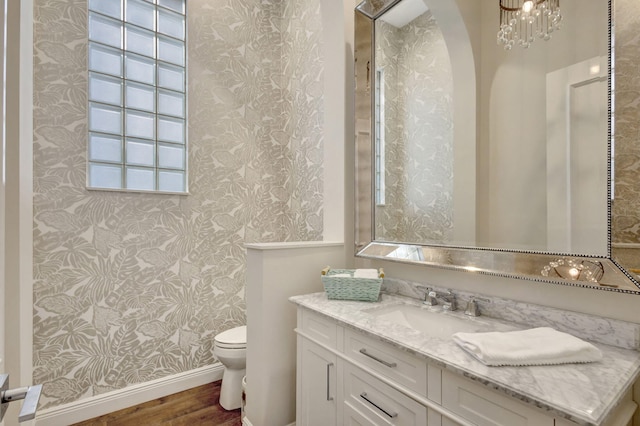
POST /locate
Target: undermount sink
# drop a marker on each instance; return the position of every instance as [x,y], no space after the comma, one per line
[442,324]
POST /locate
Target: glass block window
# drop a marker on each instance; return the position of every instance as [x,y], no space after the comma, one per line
[137,95]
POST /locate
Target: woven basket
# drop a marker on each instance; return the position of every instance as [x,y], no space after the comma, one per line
[350,288]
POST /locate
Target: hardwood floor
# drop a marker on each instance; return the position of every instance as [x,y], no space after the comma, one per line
[197,406]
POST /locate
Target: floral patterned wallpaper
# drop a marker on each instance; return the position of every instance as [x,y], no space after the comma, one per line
[418,108]
[133,287]
[302,85]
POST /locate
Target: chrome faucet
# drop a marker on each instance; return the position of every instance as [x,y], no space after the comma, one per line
[447,298]
[472,308]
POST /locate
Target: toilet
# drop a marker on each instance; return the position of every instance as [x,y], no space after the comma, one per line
[230,348]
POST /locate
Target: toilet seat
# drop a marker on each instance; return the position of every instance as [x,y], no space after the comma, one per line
[230,346]
[235,338]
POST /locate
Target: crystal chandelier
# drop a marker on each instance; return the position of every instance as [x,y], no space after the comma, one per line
[521,21]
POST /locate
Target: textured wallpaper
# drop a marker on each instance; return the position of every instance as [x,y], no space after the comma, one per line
[133,287]
[303,117]
[626,204]
[418,130]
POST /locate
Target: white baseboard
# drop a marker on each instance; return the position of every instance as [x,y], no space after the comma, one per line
[246,422]
[109,402]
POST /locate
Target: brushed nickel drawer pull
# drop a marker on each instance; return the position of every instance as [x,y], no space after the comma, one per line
[329,397]
[363,351]
[392,415]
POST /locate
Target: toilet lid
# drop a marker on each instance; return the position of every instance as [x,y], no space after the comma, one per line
[234,336]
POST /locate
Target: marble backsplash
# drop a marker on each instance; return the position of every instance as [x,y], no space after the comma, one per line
[607,331]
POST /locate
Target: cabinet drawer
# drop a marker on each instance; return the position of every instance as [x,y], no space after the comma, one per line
[378,402]
[397,365]
[319,328]
[486,407]
[353,417]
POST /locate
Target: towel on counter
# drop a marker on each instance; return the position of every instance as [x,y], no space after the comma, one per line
[536,346]
[365,273]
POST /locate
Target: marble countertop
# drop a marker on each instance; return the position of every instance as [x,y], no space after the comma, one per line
[583,393]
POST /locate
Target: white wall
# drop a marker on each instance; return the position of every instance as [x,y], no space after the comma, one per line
[275,272]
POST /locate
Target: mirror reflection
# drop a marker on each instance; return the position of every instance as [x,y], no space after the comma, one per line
[478,146]
[477,154]
[414,127]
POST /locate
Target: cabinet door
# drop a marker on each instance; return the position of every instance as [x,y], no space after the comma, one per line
[317,400]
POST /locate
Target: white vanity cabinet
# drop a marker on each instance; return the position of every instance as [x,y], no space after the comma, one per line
[335,384]
[345,377]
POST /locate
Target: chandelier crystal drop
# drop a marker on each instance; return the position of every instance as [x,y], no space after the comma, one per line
[522,21]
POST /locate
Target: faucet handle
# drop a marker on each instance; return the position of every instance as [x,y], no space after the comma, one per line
[451,304]
[430,298]
[450,301]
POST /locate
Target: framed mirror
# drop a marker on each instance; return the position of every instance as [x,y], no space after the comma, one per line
[485,140]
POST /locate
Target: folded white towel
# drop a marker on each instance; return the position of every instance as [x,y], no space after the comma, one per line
[365,273]
[536,346]
[340,276]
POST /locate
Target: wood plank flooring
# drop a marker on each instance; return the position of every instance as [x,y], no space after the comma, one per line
[197,406]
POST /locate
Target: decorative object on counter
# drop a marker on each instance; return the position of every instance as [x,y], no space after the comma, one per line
[352,284]
[536,346]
